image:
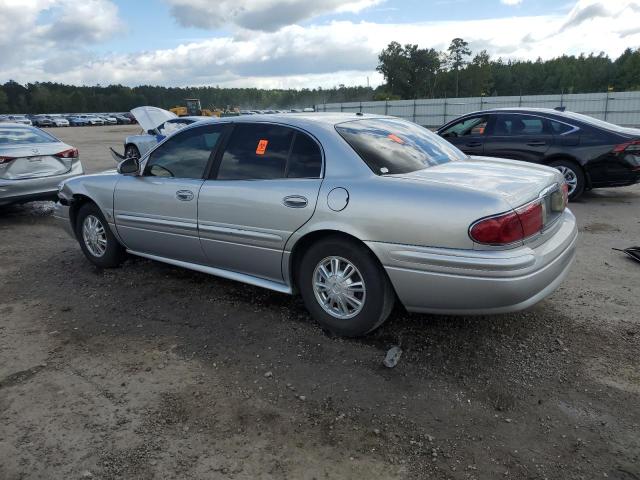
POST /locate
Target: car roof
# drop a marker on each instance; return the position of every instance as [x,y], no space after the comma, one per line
[300,119]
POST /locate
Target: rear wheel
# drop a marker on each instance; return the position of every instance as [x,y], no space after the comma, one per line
[131,151]
[97,241]
[344,287]
[573,175]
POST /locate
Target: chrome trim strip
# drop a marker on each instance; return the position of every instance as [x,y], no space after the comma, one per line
[237,232]
[480,262]
[218,272]
[156,221]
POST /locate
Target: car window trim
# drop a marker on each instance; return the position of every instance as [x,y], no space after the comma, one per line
[222,148]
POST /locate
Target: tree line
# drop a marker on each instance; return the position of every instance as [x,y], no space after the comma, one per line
[47,97]
[409,72]
[412,72]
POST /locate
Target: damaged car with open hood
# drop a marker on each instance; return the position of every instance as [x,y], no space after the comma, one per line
[156,124]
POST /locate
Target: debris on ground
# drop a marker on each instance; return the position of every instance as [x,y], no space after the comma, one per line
[393,357]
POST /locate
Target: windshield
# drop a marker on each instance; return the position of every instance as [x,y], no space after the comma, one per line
[392,146]
[22,136]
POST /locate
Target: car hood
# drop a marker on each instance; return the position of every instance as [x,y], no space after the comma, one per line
[150,118]
[513,181]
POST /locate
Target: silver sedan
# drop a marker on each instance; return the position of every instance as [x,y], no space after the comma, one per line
[354,212]
[33,163]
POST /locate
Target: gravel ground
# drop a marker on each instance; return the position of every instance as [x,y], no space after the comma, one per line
[150,371]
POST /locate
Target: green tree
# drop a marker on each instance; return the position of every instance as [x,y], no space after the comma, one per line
[4,102]
[393,66]
[458,52]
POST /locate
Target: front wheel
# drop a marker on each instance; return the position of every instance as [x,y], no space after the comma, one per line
[344,287]
[573,176]
[97,241]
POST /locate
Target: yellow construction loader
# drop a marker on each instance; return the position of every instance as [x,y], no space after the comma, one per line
[193,108]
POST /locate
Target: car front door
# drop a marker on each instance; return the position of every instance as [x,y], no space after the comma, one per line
[156,212]
[263,187]
[519,137]
[468,134]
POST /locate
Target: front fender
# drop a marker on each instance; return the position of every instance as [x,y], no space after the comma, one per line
[97,188]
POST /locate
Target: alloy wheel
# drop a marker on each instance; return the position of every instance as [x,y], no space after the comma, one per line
[94,235]
[339,287]
[570,177]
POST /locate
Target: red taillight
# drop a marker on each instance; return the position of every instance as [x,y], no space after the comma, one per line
[4,160]
[71,153]
[509,227]
[632,146]
[531,218]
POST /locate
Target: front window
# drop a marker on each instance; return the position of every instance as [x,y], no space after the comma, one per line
[475,126]
[390,146]
[184,155]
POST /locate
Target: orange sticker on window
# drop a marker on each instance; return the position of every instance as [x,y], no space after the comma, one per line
[395,138]
[262,147]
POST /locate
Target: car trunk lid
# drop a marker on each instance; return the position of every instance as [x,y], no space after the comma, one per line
[33,161]
[515,182]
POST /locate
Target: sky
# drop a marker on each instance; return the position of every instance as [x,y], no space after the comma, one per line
[285,43]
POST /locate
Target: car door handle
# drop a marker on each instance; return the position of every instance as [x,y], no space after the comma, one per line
[295,201]
[184,195]
[474,144]
[537,143]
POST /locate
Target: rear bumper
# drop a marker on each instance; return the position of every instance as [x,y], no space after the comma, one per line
[29,189]
[444,281]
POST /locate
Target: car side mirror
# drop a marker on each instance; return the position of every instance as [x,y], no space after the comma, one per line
[129,166]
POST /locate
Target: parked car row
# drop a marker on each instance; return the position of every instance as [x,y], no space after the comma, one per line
[66,120]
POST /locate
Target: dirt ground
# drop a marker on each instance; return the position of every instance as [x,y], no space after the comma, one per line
[151,371]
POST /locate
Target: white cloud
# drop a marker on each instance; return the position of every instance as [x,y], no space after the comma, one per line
[33,31]
[329,54]
[267,15]
[511,2]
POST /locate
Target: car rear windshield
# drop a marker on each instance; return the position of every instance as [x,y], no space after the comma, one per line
[390,146]
[23,136]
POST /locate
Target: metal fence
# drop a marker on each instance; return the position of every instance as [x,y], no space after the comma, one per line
[622,108]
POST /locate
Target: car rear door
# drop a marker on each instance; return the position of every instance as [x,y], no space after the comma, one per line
[519,137]
[263,187]
[468,134]
[156,213]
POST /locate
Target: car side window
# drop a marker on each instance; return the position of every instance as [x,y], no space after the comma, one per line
[256,151]
[560,128]
[186,154]
[474,126]
[305,160]
[512,125]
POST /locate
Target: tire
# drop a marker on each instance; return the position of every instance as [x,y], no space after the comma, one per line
[573,175]
[131,151]
[377,297]
[107,253]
